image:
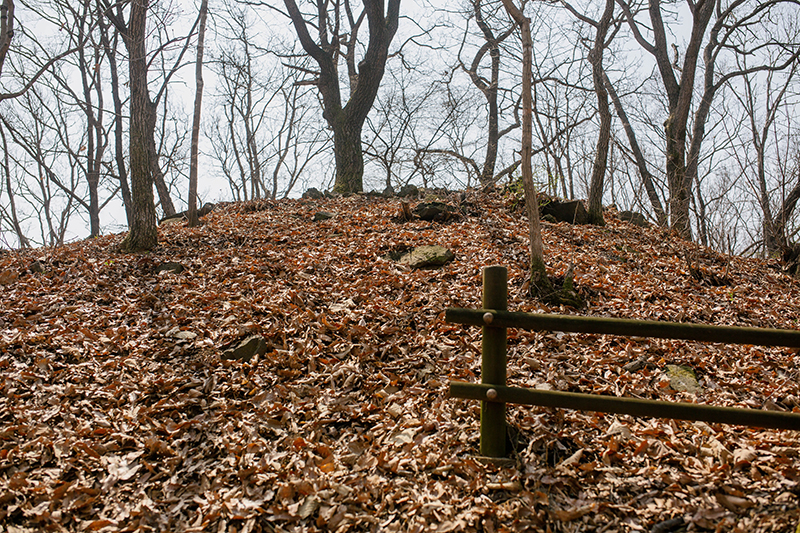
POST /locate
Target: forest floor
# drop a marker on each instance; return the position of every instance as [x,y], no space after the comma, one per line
[117,412]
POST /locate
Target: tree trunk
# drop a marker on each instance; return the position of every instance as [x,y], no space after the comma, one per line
[493,134]
[680,99]
[489,90]
[679,96]
[349,157]
[142,235]
[23,240]
[540,283]
[604,136]
[6,29]
[778,226]
[198,99]
[95,143]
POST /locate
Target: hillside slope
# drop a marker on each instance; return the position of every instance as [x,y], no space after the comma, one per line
[118,414]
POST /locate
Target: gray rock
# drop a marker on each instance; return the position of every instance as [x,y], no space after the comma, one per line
[634,217]
[438,211]
[570,211]
[409,191]
[323,215]
[247,349]
[173,220]
[683,379]
[170,266]
[37,267]
[313,194]
[183,216]
[426,256]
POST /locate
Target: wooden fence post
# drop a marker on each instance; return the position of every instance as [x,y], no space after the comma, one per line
[493,362]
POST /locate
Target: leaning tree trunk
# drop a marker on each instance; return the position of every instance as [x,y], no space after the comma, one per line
[641,163]
[157,176]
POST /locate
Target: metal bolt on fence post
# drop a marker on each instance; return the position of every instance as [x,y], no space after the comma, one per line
[493,361]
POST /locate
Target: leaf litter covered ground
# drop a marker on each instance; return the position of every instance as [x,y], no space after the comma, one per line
[118,414]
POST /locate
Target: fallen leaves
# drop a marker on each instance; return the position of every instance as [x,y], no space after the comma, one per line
[118,412]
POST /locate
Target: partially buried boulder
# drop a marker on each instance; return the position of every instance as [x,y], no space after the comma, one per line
[246,349]
[313,194]
[435,211]
[633,217]
[323,215]
[683,379]
[427,256]
[409,190]
[178,218]
[569,211]
[170,266]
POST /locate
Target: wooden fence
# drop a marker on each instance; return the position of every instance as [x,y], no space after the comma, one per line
[494,394]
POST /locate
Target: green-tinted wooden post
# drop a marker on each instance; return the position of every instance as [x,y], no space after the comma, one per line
[493,362]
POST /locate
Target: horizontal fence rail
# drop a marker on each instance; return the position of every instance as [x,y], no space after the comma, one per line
[626,406]
[625,327]
[494,394]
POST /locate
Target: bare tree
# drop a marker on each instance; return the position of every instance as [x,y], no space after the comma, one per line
[733,32]
[762,98]
[637,155]
[246,92]
[296,142]
[142,234]
[47,161]
[490,87]
[562,107]
[120,171]
[736,25]
[540,283]
[679,90]
[263,129]
[601,27]
[32,59]
[11,214]
[347,119]
[198,102]
[89,68]
[402,110]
